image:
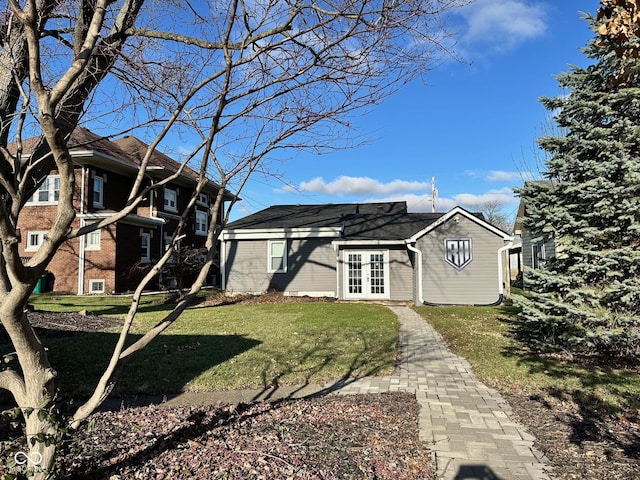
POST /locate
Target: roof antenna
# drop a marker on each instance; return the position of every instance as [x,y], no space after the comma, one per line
[434,194]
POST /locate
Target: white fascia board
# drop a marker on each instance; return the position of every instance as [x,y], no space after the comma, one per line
[339,243]
[131,218]
[459,211]
[84,157]
[271,233]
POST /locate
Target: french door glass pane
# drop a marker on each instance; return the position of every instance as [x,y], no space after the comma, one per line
[354,263]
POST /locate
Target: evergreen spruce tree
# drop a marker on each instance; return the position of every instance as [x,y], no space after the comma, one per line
[586,300]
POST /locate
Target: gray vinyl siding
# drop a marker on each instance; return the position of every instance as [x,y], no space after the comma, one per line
[528,240]
[475,284]
[400,275]
[527,247]
[310,267]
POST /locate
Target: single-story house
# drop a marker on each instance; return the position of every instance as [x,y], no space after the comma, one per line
[537,247]
[371,251]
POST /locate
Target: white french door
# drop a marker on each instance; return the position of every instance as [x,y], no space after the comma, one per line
[366,274]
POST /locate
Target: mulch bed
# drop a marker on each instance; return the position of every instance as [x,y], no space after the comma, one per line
[580,442]
[335,437]
[220,298]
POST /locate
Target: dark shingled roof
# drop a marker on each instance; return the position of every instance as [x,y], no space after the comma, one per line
[129,150]
[365,221]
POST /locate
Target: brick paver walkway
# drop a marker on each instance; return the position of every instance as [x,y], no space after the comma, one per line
[468,426]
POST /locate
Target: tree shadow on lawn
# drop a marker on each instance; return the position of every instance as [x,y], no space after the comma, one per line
[589,415]
[367,361]
[165,366]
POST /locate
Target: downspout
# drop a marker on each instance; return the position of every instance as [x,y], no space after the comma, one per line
[81,239]
[223,263]
[418,253]
[338,271]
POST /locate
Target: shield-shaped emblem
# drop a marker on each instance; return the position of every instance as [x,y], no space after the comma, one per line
[457,252]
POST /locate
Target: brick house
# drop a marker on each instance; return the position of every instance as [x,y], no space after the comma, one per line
[113,259]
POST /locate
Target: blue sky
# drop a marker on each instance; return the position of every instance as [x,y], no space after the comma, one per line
[471,126]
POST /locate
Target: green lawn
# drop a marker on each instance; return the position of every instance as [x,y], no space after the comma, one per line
[229,347]
[483,335]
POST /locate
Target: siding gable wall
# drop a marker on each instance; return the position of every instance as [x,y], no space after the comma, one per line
[477,283]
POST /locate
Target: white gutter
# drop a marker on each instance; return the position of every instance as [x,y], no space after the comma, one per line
[418,253]
[501,279]
[271,233]
[368,242]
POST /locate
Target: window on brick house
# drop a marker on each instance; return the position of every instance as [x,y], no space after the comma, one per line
[170,200]
[202,222]
[203,199]
[98,192]
[96,286]
[145,247]
[48,192]
[93,240]
[34,240]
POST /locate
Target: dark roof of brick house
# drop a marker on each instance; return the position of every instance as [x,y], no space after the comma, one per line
[129,150]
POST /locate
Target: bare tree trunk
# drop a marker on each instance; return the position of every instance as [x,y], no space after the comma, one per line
[33,392]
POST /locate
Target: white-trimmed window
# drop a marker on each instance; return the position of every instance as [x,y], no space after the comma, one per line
[458,252]
[202,222]
[48,193]
[92,240]
[96,286]
[170,200]
[203,199]
[145,247]
[175,256]
[98,191]
[34,240]
[277,256]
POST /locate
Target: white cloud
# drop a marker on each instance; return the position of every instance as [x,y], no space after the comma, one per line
[502,176]
[416,194]
[422,203]
[470,200]
[502,24]
[361,186]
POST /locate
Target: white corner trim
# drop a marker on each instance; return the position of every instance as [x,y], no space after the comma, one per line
[501,278]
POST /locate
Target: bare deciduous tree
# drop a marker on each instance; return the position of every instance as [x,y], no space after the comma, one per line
[492,211]
[251,79]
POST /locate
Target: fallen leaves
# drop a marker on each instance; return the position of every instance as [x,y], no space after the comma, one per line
[348,437]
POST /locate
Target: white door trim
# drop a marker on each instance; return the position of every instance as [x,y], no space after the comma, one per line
[366,274]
